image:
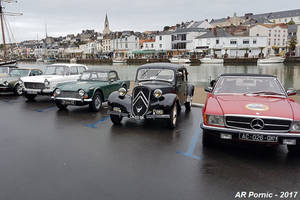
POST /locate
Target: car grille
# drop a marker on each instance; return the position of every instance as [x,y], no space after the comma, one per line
[34,85]
[140,100]
[69,94]
[258,124]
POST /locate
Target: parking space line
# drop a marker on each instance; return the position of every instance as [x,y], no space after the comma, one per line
[46,109]
[192,146]
[94,125]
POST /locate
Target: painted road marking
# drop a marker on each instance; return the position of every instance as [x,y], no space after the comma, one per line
[192,146]
[94,125]
[46,109]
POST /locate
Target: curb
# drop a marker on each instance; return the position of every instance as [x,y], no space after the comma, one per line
[197,105]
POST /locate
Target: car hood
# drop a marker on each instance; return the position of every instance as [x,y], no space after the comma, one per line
[255,105]
[85,85]
[9,78]
[42,78]
[3,75]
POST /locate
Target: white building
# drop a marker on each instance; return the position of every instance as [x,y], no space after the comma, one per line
[220,42]
[124,45]
[163,41]
[277,35]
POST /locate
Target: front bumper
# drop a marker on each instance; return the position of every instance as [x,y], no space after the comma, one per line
[129,115]
[38,91]
[217,131]
[5,89]
[71,99]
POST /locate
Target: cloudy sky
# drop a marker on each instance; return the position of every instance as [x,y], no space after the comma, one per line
[71,16]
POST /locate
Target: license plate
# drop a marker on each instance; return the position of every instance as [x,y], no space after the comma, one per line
[258,137]
[32,92]
[69,102]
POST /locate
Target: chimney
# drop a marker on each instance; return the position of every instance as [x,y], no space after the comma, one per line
[215,31]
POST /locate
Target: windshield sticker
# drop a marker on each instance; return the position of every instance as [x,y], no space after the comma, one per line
[257,107]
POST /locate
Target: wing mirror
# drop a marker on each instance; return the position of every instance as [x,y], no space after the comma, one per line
[291,92]
[212,83]
[208,89]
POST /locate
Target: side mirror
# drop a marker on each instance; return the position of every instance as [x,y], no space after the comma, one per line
[291,92]
[212,83]
[208,89]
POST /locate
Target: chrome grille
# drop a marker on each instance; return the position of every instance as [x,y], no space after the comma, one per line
[69,94]
[34,85]
[258,123]
[140,100]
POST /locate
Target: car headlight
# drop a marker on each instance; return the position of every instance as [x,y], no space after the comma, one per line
[215,120]
[5,83]
[296,126]
[81,92]
[157,93]
[122,92]
[47,82]
[57,91]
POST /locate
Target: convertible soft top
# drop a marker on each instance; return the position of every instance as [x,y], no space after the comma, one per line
[240,74]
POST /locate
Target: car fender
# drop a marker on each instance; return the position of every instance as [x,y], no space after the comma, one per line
[166,102]
[190,90]
[114,100]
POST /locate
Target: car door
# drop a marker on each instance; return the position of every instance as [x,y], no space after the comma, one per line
[181,86]
[113,81]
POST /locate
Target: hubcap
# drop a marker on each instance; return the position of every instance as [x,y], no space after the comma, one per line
[19,90]
[174,114]
[97,102]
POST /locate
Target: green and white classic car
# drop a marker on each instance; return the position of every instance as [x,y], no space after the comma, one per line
[92,88]
[11,82]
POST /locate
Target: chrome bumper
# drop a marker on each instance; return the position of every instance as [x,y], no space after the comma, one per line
[237,131]
[71,99]
[38,91]
[133,117]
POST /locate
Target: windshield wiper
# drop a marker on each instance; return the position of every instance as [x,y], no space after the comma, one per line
[267,93]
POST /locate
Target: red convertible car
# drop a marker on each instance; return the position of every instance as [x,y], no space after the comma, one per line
[251,107]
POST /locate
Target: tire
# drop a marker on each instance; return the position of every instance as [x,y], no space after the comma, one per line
[294,149]
[188,105]
[96,104]
[30,97]
[18,90]
[207,139]
[60,106]
[116,119]
[173,116]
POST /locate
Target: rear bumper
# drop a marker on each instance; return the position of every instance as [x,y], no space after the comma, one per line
[217,131]
[122,114]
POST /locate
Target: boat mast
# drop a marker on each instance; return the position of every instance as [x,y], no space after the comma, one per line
[2,28]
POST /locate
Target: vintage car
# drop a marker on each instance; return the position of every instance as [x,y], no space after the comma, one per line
[10,82]
[252,108]
[4,70]
[54,74]
[93,88]
[161,89]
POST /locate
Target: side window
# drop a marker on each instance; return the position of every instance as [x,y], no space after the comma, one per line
[67,71]
[73,70]
[180,76]
[81,69]
[35,73]
[185,74]
[113,76]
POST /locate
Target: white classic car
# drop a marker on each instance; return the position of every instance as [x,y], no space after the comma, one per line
[54,74]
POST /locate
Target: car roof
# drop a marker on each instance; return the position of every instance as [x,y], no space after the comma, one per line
[162,66]
[254,75]
[23,68]
[100,70]
[67,64]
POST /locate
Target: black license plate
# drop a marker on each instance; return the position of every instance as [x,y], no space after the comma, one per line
[258,137]
[68,102]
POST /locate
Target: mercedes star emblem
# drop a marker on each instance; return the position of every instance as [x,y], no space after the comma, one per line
[257,124]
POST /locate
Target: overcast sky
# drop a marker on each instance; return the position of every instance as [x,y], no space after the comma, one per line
[65,16]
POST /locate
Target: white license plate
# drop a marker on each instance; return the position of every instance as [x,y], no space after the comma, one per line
[258,137]
[32,92]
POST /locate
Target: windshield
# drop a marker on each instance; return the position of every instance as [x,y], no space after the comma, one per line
[55,70]
[3,70]
[249,85]
[155,74]
[19,72]
[94,76]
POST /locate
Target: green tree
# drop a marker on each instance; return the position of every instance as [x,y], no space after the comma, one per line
[291,22]
[292,44]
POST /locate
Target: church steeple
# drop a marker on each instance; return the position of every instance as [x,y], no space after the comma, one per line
[106,26]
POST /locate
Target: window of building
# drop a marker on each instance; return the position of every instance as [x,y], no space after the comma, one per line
[269,42]
[285,20]
[254,41]
[126,45]
[160,45]
[245,41]
[269,34]
[274,41]
[257,34]
[233,42]
[160,37]
[151,45]
[217,41]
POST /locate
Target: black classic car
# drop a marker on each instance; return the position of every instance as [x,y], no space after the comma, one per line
[161,89]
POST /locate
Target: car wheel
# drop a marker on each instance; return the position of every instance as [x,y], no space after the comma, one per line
[188,105]
[96,104]
[18,90]
[294,149]
[116,119]
[30,97]
[207,139]
[60,106]
[173,116]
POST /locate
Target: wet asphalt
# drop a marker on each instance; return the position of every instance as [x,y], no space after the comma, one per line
[75,154]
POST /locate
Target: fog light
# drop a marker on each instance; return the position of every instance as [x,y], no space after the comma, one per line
[158,112]
[289,141]
[226,136]
[116,109]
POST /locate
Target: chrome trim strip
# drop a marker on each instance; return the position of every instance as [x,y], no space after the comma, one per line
[158,116]
[72,99]
[257,116]
[235,131]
